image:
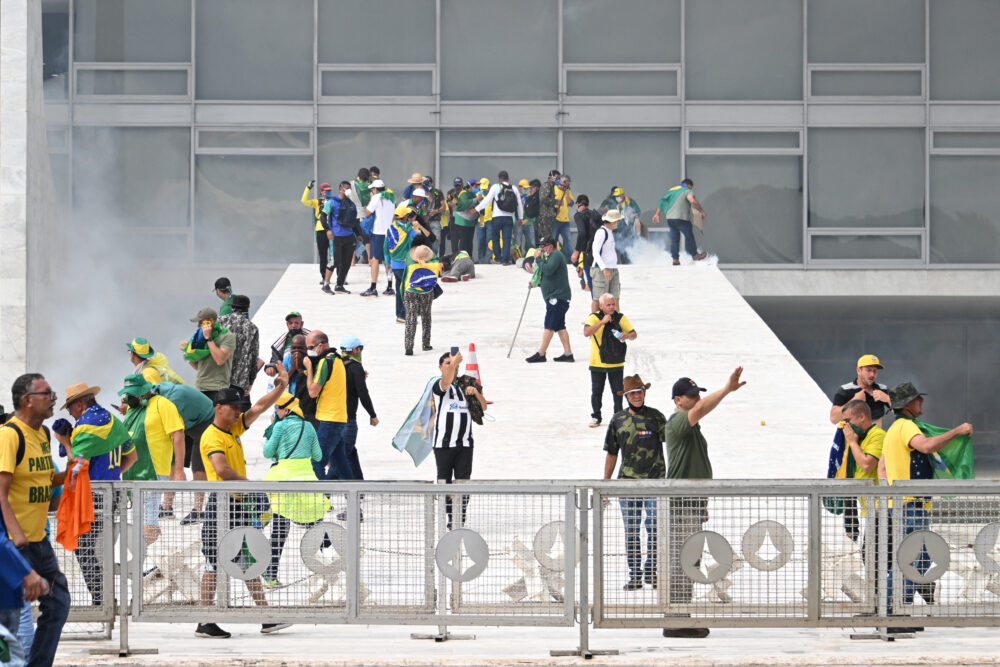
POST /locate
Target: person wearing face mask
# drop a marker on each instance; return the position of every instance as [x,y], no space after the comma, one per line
[280,347]
[351,348]
[556,292]
[322,241]
[630,227]
[326,379]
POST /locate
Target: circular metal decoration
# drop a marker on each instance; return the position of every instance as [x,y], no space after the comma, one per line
[244,553]
[706,557]
[549,546]
[909,550]
[312,542]
[769,537]
[462,555]
[986,542]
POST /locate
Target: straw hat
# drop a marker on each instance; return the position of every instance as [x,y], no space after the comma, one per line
[633,383]
[416,178]
[614,215]
[75,392]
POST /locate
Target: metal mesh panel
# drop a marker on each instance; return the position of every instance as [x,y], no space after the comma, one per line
[667,557]
[89,569]
[849,555]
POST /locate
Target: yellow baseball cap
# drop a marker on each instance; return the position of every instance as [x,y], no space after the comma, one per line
[618,192]
[869,360]
[523,183]
[403,210]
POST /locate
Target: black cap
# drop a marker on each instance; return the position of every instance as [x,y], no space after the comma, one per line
[241,302]
[546,240]
[458,181]
[223,284]
[686,387]
[228,396]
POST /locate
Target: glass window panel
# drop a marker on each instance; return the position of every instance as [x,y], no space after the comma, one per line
[59,163]
[743,140]
[499,141]
[965,51]
[754,206]
[139,245]
[57,139]
[964,204]
[626,31]
[55,49]
[122,31]
[744,50]
[351,84]
[239,139]
[866,31]
[257,187]
[641,162]
[131,176]
[967,140]
[489,166]
[515,54]
[131,82]
[621,83]
[398,153]
[865,247]
[261,50]
[383,31]
[866,83]
[866,177]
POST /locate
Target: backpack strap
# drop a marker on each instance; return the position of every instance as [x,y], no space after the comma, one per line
[20,442]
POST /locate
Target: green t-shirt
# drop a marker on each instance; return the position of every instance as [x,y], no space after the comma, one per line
[211,376]
[227,306]
[687,449]
[194,406]
[466,200]
[555,282]
[681,208]
[639,437]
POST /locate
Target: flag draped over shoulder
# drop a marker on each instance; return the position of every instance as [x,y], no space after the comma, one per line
[97,432]
[142,469]
[416,435]
[197,347]
[840,466]
[955,460]
[667,200]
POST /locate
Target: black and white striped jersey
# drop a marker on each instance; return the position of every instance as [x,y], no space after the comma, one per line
[452,422]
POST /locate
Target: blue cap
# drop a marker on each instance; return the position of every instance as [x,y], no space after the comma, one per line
[473,181]
[350,342]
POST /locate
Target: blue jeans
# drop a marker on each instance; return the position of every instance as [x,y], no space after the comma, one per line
[333,446]
[560,232]
[54,605]
[26,631]
[482,252]
[350,444]
[632,509]
[9,619]
[398,275]
[500,233]
[914,518]
[676,228]
[524,236]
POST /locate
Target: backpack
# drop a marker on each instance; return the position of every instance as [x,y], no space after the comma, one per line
[506,200]
[20,441]
[531,206]
[612,349]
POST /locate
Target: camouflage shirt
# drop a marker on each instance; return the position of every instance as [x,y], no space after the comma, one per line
[640,438]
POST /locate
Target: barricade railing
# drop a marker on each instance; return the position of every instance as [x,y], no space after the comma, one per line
[664,553]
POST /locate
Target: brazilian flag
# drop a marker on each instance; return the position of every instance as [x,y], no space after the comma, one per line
[955,460]
[672,195]
[97,432]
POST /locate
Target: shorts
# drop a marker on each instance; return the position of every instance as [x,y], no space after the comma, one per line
[192,446]
[151,506]
[244,510]
[555,315]
[590,281]
[376,246]
[602,286]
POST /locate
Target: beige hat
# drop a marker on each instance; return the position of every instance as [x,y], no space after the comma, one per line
[75,392]
[614,215]
[416,178]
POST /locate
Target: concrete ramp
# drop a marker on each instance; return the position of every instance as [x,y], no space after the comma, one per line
[690,321]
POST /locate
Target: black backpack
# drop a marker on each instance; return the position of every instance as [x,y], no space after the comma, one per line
[612,349]
[506,200]
[531,206]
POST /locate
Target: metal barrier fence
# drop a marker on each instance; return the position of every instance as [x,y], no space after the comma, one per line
[678,553]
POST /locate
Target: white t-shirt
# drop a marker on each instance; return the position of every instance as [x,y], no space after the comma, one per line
[605,256]
[491,196]
[383,210]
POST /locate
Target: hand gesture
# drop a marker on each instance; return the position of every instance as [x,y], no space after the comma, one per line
[457,359]
[734,379]
[881,396]
[307,363]
[206,330]
[965,429]
[849,435]
[270,370]
[282,380]
[860,396]
[312,182]
[183,346]
[605,319]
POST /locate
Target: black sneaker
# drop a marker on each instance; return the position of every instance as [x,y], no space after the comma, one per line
[268,628]
[371,291]
[650,578]
[326,289]
[166,512]
[428,348]
[211,631]
[408,353]
[536,358]
[565,357]
[194,516]
[595,422]
[340,289]
[686,633]
[389,291]
[633,584]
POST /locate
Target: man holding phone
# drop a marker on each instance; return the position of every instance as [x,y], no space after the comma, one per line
[453,428]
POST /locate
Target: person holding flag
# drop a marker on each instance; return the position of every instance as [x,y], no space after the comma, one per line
[676,205]
[913,449]
[422,271]
[103,441]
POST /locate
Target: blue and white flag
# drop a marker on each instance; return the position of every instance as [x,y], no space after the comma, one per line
[416,435]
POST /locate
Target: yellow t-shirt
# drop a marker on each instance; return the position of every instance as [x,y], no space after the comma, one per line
[897,454]
[31,485]
[871,445]
[562,212]
[162,419]
[331,405]
[598,336]
[215,440]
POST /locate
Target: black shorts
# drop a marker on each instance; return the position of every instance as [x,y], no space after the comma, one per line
[192,446]
[453,462]
[244,510]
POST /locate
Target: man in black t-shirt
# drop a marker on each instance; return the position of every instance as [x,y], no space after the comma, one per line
[863,388]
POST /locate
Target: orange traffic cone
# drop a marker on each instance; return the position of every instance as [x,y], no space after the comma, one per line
[472,364]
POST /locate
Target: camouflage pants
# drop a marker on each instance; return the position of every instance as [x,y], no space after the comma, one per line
[417,305]
[543,227]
